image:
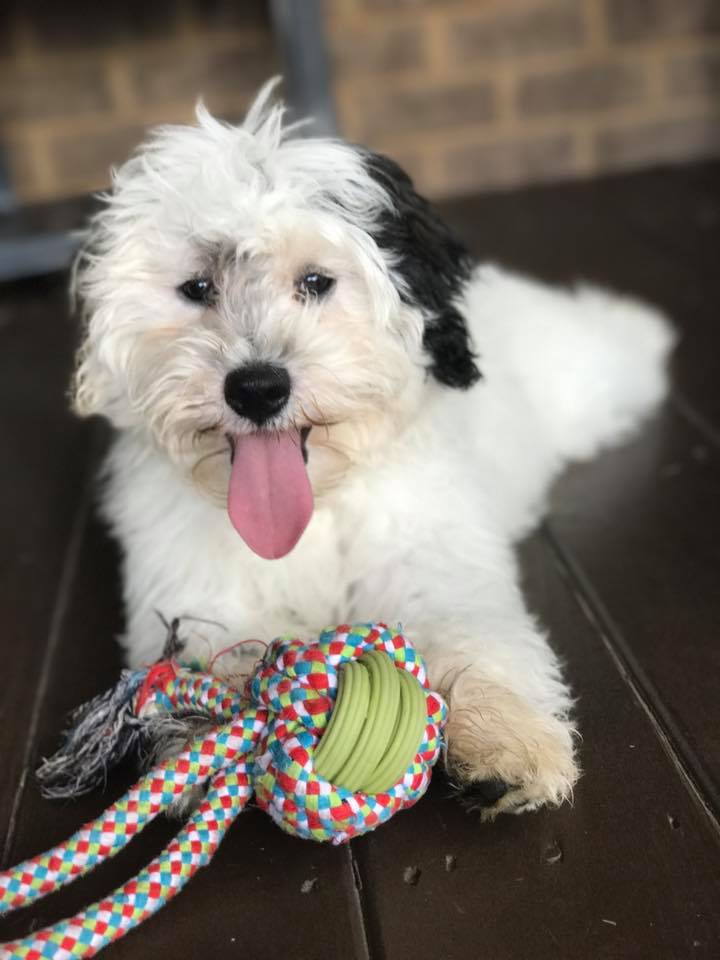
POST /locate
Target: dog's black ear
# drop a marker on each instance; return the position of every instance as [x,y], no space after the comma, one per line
[433,266]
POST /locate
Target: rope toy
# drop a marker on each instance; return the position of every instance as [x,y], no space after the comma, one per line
[333,736]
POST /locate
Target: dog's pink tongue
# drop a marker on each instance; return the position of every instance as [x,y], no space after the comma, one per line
[270,500]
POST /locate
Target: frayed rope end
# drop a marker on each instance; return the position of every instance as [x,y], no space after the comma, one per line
[100,734]
[104,731]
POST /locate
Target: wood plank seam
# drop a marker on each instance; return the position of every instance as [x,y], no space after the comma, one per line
[357,905]
[683,757]
[71,557]
[689,412]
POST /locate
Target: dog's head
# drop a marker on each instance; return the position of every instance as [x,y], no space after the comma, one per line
[263,305]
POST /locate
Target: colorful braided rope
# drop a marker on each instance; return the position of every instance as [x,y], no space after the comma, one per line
[263,742]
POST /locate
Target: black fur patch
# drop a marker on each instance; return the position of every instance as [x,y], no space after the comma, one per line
[434,265]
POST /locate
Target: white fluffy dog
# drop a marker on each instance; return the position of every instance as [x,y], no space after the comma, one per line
[289,340]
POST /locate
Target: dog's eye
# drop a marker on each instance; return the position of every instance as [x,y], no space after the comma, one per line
[199,290]
[314,285]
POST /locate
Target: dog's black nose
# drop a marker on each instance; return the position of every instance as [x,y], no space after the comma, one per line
[257,391]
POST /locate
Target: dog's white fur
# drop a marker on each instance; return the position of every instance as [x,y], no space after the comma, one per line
[421,490]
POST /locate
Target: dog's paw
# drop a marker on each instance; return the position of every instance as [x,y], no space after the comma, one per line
[502,754]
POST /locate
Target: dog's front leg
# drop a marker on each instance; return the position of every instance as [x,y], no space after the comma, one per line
[509,739]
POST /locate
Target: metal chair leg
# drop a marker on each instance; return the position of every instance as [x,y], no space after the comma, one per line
[301,36]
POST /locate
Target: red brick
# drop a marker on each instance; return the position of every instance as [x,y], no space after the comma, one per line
[87,158]
[510,32]
[577,89]
[695,75]
[203,71]
[507,162]
[658,142]
[52,89]
[430,108]
[637,20]
[371,51]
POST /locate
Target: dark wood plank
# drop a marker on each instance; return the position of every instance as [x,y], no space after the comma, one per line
[675,208]
[640,524]
[230,908]
[676,215]
[631,870]
[44,465]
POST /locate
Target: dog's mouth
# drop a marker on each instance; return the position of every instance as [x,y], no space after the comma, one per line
[270,500]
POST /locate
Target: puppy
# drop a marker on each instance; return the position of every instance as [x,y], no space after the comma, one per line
[289,342]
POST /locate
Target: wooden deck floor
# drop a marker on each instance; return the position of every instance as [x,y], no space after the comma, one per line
[624,574]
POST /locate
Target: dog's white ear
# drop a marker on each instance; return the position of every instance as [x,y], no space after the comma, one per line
[99,383]
[92,390]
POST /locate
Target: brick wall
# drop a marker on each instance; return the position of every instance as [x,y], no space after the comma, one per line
[80,80]
[468,94]
[482,94]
